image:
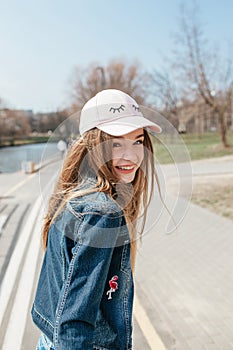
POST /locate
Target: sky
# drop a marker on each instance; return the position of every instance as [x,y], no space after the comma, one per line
[42,41]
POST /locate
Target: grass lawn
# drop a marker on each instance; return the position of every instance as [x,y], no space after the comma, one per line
[207,145]
[23,141]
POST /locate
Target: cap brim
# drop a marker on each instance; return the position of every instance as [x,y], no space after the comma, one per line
[124,126]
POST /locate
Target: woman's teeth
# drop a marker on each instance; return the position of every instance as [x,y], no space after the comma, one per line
[125,167]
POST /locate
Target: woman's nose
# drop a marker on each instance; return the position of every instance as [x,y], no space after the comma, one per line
[129,154]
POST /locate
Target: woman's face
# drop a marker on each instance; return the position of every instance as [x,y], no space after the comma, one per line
[128,154]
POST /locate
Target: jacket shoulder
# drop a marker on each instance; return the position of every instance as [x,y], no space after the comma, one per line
[95,203]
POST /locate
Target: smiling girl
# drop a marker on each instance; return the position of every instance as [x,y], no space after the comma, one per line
[84,297]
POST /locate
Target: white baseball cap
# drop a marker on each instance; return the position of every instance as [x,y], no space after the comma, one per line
[115,113]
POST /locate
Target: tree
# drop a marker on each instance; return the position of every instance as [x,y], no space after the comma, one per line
[117,74]
[201,72]
[45,122]
[165,94]
[13,123]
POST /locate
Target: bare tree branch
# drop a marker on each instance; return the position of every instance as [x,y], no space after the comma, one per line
[117,74]
[199,69]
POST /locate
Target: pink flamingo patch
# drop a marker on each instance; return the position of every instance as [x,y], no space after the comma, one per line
[113,286]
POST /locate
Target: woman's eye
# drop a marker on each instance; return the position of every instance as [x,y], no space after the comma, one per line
[139,142]
[116,144]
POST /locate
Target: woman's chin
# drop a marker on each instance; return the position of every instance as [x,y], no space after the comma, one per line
[127,178]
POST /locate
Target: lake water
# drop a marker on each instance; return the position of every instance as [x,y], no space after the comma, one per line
[12,157]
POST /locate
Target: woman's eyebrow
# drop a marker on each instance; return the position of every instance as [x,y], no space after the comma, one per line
[137,137]
[122,137]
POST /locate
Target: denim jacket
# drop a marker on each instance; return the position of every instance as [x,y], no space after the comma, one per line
[84,296]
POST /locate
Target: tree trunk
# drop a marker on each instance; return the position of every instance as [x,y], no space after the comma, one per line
[222,130]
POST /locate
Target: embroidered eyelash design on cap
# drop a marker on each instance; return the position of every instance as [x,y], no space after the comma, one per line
[119,109]
[136,108]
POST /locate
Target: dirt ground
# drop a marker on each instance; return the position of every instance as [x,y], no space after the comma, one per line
[214,193]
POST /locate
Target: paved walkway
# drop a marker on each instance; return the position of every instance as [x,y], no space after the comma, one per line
[19,194]
[185,279]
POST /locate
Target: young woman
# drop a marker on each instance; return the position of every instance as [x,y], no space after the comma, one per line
[84,297]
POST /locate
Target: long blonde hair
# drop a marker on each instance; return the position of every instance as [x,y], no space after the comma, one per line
[92,151]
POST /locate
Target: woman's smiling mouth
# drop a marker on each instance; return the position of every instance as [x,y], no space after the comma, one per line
[125,169]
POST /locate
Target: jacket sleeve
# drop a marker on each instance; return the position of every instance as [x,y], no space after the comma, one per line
[85,282]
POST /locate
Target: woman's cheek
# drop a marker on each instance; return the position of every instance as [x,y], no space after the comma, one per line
[141,155]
